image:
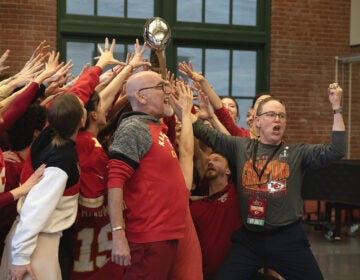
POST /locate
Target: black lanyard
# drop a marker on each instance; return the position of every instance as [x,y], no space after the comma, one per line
[266,163]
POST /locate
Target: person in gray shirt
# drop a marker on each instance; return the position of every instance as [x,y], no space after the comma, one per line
[269,176]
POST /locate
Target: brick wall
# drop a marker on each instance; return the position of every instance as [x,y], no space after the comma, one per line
[306,36]
[355,102]
[23,25]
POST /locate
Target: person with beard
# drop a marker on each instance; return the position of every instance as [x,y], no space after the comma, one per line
[269,176]
[147,190]
[214,216]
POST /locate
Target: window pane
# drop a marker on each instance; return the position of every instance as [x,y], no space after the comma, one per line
[190,54]
[244,73]
[119,52]
[217,11]
[244,12]
[140,9]
[111,8]
[80,7]
[188,10]
[217,70]
[80,54]
[244,105]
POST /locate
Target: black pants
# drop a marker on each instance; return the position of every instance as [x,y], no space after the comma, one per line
[286,250]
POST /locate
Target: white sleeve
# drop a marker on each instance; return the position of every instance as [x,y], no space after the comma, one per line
[38,207]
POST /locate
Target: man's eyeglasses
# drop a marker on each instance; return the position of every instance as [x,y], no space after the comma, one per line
[272,115]
[162,86]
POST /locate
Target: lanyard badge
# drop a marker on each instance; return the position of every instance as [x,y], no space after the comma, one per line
[256,211]
[257,206]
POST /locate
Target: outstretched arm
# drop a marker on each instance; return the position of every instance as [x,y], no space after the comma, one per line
[182,108]
[135,61]
[86,83]
[19,80]
[207,112]
[222,114]
[335,95]
[3,59]
[22,101]
[200,79]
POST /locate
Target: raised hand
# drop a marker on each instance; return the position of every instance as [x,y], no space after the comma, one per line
[107,55]
[335,95]
[170,77]
[28,73]
[34,65]
[108,76]
[186,97]
[61,73]
[137,60]
[51,67]
[41,50]
[37,57]
[54,88]
[3,58]
[189,72]
[183,104]
[206,111]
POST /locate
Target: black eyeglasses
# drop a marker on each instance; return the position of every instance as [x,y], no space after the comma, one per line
[272,115]
[162,86]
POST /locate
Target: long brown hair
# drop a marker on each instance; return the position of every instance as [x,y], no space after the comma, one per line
[64,117]
[91,106]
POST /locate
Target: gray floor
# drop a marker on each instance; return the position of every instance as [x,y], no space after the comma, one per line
[338,260]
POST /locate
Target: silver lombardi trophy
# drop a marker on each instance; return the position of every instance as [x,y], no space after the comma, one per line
[157,36]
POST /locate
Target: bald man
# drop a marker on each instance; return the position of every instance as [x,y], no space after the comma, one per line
[147,190]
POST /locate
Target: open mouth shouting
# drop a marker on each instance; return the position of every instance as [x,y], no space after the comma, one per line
[277,128]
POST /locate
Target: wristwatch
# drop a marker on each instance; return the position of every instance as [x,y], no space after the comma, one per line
[338,110]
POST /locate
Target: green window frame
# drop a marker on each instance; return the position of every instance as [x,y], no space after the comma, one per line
[200,35]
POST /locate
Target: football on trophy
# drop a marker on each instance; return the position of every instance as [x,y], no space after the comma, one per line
[157,33]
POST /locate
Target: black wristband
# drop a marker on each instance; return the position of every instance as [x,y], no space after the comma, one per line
[338,110]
